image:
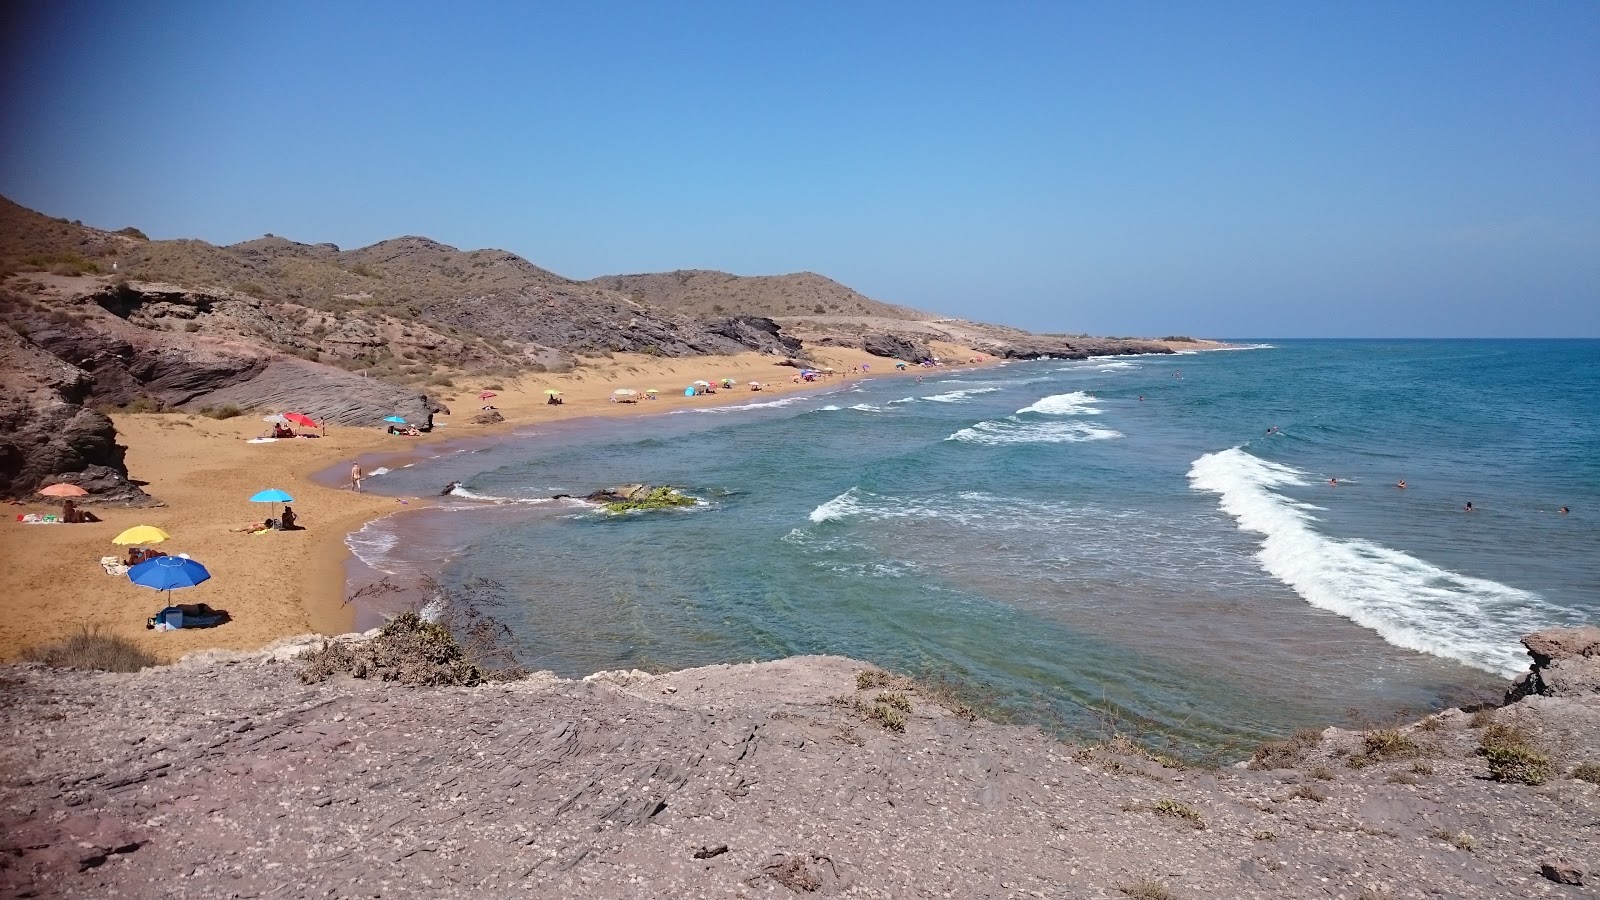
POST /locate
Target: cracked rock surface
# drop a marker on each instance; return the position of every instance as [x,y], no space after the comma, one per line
[223,776]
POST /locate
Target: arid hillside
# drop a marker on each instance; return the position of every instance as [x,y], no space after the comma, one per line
[702,292]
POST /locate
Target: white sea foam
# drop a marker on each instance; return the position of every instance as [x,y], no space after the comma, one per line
[829,408]
[1076,403]
[867,407]
[371,544]
[839,508]
[381,470]
[738,407]
[464,493]
[1408,602]
[958,396]
[1011,431]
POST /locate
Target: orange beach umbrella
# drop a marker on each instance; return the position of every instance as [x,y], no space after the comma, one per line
[63,490]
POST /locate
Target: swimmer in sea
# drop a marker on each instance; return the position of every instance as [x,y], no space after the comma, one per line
[1468,507]
[1401,484]
[1562,510]
[1333,481]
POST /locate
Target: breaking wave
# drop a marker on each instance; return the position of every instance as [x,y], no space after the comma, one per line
[1011,431]
[1409,602]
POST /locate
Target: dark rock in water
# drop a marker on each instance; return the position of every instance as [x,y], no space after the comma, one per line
[1563,871]
[896,347]
[623,493]
[1566,663]
[491,417]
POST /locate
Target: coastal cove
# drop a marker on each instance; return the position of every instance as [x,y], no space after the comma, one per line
[1051,543]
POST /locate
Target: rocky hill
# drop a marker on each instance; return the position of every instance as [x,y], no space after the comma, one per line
[356,335]
[702,292]
[225,775]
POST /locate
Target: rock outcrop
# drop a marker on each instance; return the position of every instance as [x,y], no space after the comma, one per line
[225,775]
[1566,663]
[47,434]
[896,347]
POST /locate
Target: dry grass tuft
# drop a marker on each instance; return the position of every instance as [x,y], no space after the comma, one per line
[1179,810]
[90,648]
[1589,772]
[1458,839]
[1146,889]
[1308,792]
[1288,753]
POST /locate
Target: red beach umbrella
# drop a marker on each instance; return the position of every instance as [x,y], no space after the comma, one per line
[487,394]
[63,490]
[301,419]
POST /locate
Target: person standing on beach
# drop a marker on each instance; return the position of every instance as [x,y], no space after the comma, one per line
[355,477]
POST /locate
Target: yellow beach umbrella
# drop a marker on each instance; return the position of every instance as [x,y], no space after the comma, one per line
[651,391]
[552,393]
[141,534]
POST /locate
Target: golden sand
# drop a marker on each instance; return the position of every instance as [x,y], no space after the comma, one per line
[277,584]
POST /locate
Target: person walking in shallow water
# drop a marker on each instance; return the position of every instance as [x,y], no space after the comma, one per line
[355,477]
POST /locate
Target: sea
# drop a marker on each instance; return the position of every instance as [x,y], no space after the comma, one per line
[1207,549]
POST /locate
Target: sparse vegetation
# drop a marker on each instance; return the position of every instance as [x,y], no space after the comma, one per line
[1458,839]
[1177,809]
[1264,835]
[1512,754]
[1286,754]
[91,648]
[134,233]
[658,498]
[1180,339]
[1382,745]
[227,411]
[1308,792]
[1589,772]
[1146,889]
[1482,718]
[1518,764]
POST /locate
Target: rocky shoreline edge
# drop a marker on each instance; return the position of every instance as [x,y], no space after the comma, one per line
[224,775]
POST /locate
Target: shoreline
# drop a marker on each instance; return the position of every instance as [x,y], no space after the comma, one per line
[278,584]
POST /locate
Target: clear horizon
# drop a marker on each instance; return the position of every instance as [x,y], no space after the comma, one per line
[1426,170]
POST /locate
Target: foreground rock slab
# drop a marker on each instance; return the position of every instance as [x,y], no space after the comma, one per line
[224,776]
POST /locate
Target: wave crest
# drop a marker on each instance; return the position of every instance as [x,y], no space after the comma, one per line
[1409,602]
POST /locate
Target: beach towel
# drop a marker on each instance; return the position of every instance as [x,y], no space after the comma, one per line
[173,618]
[113,565]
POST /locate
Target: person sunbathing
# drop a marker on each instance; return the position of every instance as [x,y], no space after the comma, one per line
[71,513]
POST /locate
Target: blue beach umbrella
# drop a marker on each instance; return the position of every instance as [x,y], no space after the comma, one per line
[394,419]
[164,573]
[273,496]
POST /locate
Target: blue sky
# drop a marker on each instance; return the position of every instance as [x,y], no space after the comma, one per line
[1275,169]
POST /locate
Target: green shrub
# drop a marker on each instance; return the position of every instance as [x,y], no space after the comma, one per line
[89,648]
[133,232]
[191,327]
[1518,764]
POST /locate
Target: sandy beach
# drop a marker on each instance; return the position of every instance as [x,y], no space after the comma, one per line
[276,584]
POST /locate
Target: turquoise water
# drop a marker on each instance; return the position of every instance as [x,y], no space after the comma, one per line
[1043,535]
